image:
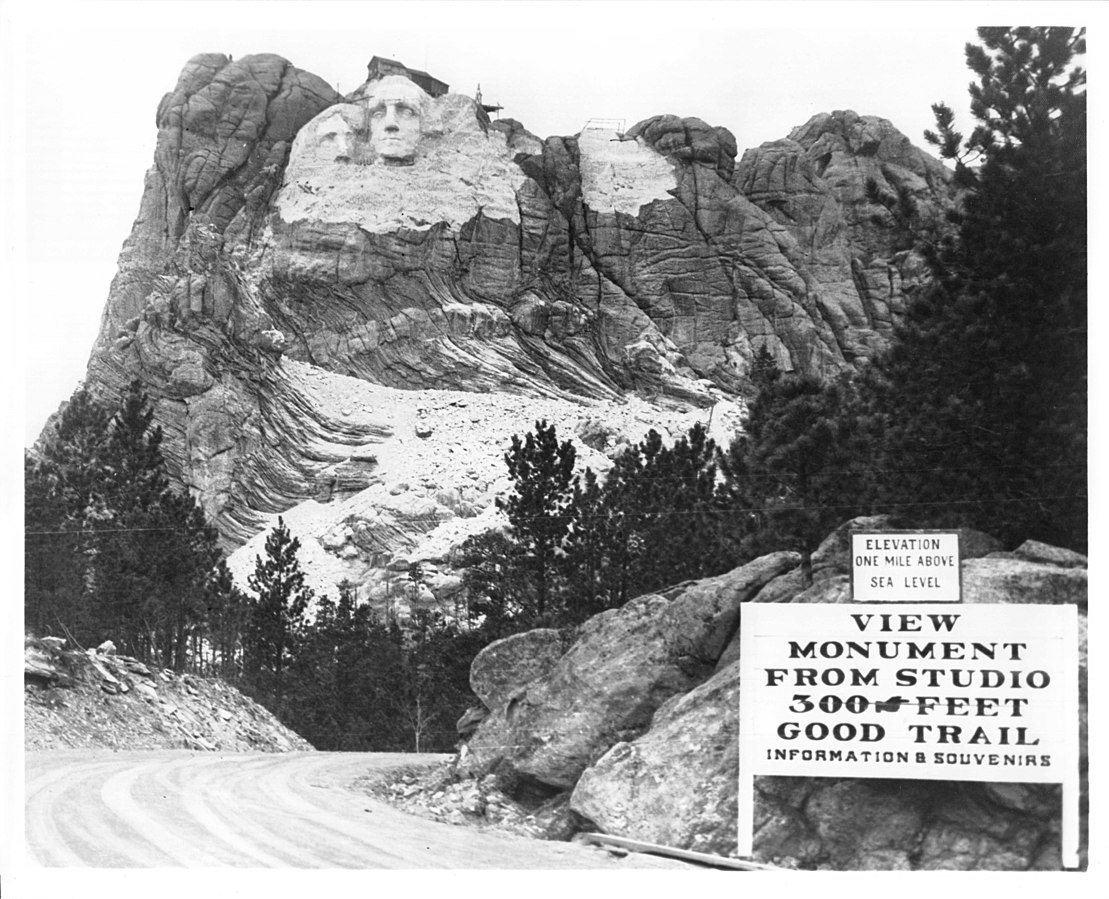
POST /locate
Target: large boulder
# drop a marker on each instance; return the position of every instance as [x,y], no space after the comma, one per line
[675,785]
[506,665]
[996,579]
[1035,551]
[625,663]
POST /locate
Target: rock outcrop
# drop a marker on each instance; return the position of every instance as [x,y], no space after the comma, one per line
[97,699]
[624,664]
[665,770]
[675,785]
[814,185]
[505,666]
[288,294]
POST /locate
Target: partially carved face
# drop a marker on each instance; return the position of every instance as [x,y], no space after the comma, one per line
[395,107]
[336,136]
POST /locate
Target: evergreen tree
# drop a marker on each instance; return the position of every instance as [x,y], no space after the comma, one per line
[764,369]
[542,471]
[437,681]
[312,695]
[347,679]
[656,521]
[155,550]
[225,617]
[53,558]
[277,615]
[112,551]
[63,501]
[587,564]
[679,522]
[497,583]
[799,467]
[982,401]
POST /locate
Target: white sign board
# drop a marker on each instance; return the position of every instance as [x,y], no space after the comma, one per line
[896,566]
[971,692]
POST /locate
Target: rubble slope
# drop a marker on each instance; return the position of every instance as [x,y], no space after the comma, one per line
[96,699]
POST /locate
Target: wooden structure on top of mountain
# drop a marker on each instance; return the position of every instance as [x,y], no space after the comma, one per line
[488,107]
[380,67]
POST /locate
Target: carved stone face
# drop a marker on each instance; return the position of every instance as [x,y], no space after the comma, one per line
[336,137]
[395,108]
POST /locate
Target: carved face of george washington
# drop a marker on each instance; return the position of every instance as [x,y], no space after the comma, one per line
[395,108]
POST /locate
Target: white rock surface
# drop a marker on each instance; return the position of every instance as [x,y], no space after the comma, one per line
[622,175]
[447,482]
[461,169]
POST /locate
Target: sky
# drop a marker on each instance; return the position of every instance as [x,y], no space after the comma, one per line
[82,82]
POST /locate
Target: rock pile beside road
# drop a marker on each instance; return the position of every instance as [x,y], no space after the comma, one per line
[441,793]
[97,699]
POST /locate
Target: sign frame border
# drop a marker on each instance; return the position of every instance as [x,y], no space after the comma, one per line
[852,531]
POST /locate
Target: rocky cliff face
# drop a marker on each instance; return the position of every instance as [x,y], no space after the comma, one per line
[299,303]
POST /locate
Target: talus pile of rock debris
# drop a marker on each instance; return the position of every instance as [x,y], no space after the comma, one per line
[98,699]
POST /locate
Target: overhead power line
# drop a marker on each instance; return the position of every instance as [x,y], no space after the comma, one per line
[703,512]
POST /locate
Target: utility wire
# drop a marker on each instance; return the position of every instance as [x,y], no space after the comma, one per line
[708,511]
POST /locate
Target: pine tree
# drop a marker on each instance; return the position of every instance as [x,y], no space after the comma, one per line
[764,368]
[799,466]
[660,521]
[277,614]
[497,583]
[155,550]
[983,401]
[680,524]
[53,558]
[112,551]
[63,501]
[225,617]
[542,471]
[589,540]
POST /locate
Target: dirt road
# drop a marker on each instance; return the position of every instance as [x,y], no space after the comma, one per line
[187,809]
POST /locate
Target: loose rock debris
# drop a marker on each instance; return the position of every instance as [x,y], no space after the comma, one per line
[96,699]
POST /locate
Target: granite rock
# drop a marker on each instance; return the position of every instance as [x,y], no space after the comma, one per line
[271,278]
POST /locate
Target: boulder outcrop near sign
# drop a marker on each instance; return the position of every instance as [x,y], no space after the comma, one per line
[664,769]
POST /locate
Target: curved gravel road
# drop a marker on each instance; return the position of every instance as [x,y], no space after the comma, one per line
[256,810]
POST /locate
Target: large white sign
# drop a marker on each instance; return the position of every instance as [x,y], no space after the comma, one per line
[898,566]
[967,692]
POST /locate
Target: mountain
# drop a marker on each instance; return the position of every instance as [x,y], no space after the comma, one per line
[343,307]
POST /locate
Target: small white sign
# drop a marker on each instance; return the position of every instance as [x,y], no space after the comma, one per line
[904,566]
